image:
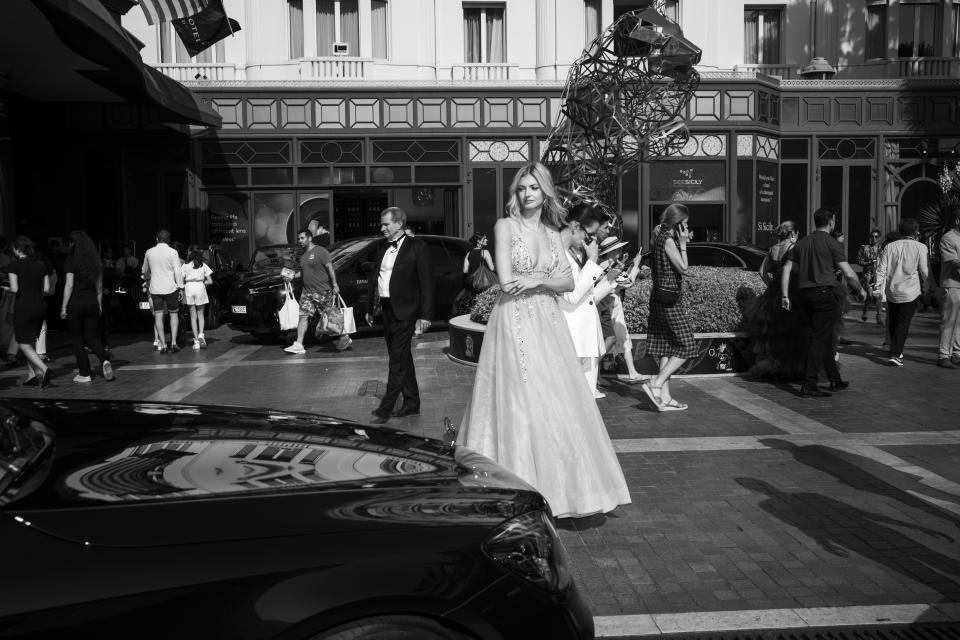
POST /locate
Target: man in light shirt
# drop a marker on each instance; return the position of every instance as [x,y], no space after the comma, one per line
[949,356]
[901,268]
[161,270]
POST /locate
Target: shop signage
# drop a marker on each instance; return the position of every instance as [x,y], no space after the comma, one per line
[768,203]
[229,227]
[680,181]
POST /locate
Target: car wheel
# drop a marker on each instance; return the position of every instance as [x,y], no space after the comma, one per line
[397,627]
[213,313]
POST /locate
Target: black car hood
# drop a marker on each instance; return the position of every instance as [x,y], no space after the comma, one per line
[138,474]
[265,278]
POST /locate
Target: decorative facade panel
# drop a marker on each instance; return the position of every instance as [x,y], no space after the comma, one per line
[331,113]
[231,111]
[432,113]
[744,146]
[498,112]
[814,111]
[466,112]
[499,151]
[296,113]
[739,106]
[533,112]
[768,148]
[398,113]
[705,106]
[909,110]
[262,113]
[364,113]
[849,111]
[943,110]
[879,111]
[705,146]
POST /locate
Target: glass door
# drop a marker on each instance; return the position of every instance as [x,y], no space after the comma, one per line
[490,190]
[848,189]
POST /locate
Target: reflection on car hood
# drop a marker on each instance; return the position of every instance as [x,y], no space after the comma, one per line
[131,474]
[264,278]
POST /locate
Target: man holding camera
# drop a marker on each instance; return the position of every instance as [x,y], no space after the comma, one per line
[819,256]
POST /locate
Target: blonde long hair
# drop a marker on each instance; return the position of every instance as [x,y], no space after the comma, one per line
[552,212]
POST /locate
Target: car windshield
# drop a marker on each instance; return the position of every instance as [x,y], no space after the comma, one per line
[270,258]
[342,252]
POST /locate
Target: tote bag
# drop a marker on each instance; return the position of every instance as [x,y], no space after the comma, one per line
[289,313]
[349,322]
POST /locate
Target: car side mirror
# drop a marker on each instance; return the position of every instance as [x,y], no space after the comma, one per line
[366,267]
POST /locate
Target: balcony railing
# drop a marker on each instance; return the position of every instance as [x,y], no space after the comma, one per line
[482,71]
[926,67]
[335,67]
[183,71]
[783,71]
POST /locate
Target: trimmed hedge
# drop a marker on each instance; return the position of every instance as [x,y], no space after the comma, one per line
[713,297]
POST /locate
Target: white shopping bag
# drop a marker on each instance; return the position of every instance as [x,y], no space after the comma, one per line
[349,322]
[289,313]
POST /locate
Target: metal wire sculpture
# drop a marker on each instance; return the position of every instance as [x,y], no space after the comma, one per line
[622,104]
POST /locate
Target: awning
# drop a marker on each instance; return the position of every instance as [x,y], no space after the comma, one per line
[75,51]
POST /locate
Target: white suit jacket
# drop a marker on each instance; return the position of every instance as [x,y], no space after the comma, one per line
[580,307]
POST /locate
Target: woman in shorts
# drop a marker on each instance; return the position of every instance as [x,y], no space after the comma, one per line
[196,277]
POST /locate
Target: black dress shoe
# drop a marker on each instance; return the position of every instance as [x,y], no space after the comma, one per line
[406,411]
[813,392]
[839,385]
[45,379]
[32,382]
[379,417]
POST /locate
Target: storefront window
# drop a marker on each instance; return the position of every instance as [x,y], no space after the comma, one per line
[741,215]
[229,225]
[273,219]
[794,195]
[706,220]
[918,30]
[680,181]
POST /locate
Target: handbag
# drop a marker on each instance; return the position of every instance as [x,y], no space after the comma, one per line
[349,321]
[289,314]
[331,319]
[482,278]
[668,297]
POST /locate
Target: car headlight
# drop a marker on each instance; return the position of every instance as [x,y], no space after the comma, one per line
[529,546]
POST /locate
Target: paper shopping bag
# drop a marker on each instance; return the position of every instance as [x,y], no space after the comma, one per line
[349,322]
[289,313]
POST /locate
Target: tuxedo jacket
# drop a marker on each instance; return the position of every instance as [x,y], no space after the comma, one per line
[411,282]
[580,306]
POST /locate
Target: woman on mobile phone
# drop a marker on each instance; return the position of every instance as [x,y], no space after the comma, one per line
[669,333]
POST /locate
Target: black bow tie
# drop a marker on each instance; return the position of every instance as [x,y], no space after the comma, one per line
[394,243]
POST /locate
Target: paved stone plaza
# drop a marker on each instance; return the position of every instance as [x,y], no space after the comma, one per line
[780,510]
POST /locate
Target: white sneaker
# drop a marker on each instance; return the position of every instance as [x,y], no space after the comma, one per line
[344,343]
[296,347]
[597,395]
[80,378]
[156,343]
[196,345]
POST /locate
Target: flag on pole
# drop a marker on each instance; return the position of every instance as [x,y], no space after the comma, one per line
[158,11]
[205,28]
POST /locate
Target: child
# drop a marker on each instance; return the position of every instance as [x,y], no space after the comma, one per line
[196,277]
[610,250]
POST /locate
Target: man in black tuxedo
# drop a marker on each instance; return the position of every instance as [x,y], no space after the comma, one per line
[403,282]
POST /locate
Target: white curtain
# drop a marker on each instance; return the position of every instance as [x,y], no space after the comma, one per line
[591,20]
[378,18]
[495,40]
[295,13]
[771,37]
[350,25]
[471,35]
[326,28]
[751,27]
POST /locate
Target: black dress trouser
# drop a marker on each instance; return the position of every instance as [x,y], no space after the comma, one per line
[83,320]
[823,309]
[899,317]
[402,377]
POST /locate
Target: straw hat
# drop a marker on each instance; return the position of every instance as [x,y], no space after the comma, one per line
[611,243]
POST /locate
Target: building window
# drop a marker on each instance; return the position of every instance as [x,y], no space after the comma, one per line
[378,25]
[762,27]
[591,20]
[172,49]
[295,15]
[484,34]
[876,46]
[955,52]
[671,8]
[338,21]
[918,29]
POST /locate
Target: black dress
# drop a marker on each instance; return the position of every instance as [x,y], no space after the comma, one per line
[30,308]
[778,336]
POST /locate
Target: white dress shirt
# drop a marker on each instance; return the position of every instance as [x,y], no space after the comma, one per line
[161,268]
[386,268]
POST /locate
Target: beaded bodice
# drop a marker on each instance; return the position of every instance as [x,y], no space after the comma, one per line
[525,261]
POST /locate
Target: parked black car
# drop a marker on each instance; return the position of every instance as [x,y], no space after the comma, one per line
[134,301]
[124,519]
[720,254]
[259,293]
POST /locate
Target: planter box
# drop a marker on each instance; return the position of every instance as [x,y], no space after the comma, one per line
[719,353]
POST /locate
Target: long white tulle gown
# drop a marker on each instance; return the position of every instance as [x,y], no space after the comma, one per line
[531,410]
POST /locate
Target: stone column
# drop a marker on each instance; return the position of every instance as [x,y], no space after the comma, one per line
[546,40]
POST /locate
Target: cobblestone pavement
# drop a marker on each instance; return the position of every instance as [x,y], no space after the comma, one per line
[754,500]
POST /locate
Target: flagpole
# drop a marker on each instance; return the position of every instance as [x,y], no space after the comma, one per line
[226,17]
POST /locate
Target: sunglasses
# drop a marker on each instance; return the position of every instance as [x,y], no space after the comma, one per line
[875,235]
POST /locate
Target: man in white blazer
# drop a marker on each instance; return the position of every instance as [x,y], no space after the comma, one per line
[591,283]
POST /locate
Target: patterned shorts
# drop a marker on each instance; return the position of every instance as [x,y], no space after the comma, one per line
[314,303]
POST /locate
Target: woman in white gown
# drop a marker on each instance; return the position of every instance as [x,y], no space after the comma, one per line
[531,409]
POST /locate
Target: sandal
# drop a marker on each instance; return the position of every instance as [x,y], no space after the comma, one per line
[653,393]
[673,405]
[631,379]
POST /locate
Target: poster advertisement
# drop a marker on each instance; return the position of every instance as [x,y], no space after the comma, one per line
[685,181]
[229,225]
[767,202]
